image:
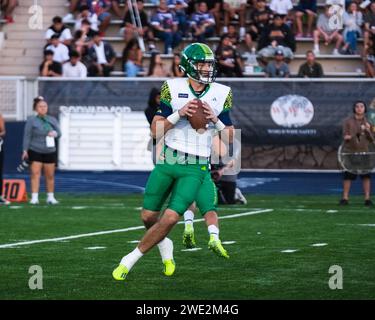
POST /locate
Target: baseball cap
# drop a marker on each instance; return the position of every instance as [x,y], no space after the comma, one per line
[279,52]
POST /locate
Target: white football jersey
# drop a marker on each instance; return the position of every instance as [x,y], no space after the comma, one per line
[182,137]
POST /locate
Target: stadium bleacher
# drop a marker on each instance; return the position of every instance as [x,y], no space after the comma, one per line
[21,53]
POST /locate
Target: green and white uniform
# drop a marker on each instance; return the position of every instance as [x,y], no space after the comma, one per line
[181,171]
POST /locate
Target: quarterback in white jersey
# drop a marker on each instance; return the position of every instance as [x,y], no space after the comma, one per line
[175,174]
[175,93]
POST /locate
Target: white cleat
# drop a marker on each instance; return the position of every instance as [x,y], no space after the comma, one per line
[239,197]
[52,201]
[34,201]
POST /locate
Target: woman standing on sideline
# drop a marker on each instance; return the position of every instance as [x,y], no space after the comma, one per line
[39,148]
[2,135]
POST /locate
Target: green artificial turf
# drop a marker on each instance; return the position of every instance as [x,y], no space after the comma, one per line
[257,269]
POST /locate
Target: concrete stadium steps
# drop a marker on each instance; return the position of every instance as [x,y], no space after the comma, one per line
[23,44]
[22,51]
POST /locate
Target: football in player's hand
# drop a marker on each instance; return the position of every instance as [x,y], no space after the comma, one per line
[198,120]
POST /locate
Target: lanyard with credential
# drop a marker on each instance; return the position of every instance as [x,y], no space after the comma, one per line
[46,125]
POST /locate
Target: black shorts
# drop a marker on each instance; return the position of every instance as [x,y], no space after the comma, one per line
[351,176]
[42,157]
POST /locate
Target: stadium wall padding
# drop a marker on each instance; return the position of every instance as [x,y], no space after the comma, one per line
[291,124]
[13,145]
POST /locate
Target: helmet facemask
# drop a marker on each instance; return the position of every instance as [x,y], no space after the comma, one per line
[200,74]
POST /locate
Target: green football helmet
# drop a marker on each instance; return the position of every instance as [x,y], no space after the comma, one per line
[198,53]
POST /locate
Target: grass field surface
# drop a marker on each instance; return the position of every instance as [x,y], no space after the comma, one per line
[281,247]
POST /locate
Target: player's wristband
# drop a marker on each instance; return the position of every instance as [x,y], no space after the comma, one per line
[174,117]
[219,125]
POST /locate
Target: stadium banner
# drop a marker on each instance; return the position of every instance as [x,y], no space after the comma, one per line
[288,124]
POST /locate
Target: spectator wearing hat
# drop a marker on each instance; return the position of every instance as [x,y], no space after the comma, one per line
[276,36]
[277,68]
[50,68]
[311,68]
[60,50]
[74,68]
[102,57]
[57,27]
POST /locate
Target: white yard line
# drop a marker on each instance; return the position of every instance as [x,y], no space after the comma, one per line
[85,235]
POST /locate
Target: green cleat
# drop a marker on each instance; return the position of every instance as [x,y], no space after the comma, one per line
[169,267]
[188,237]
[216,246]
[120,273]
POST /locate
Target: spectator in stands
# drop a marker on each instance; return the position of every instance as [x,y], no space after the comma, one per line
[83,38]
[276,36]
[74,68]
[165,26]
[179,8]
[129,30]
[3,201]
[157,67]
[232,8]
[132,58]
[74,5]
[102,58]
[281,7]
[369,30]
[229,61]
[175,68]
[85,13]
[202,23]
[39,147]
[259,20]
[233,34]
[353,20]
[311,68]
[8,7]
[324,29]
[308,8]
[57,27]
[60,50]
[116,8]
[101,8]
[215,7]
[277,68]
[369,59]
[50,68]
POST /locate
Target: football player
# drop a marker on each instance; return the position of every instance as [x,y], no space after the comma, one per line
[183,164]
